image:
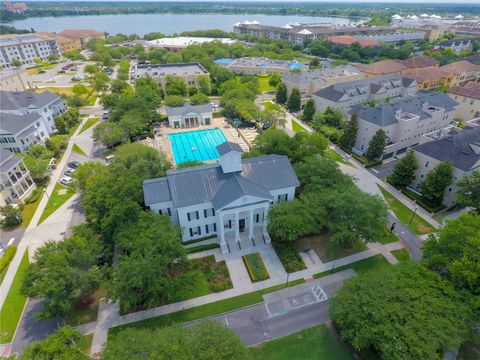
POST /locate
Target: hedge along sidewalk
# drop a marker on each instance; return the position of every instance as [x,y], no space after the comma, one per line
[26,239]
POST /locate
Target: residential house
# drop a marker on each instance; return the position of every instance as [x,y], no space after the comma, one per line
[461,147]
[46,104]
[26,48]
[456,45]
[16,183]
[468,98]
[417,63]
[431,78]
[404,121]
[82,35]
[189,72]
[19,131]
[14,79]
[380,68]
[463,72]
[229,200]
[189,115]
[346,94]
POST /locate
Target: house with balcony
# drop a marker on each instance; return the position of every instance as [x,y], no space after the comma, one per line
[462,72]
[16,183]
[228,200]
[460,147]
[404,121]
[18,132]
[468,98]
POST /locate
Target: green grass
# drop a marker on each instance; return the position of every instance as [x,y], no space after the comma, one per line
[202,248]
[314,343]
[88,124]
[29,210]
[332,154]
[272,106]
[388,237]
[373,263]
[255,267]
[296,127]
[14,304]
[91,99]
[77,149]
[401,254]
[73,129]
[85,309]
[264,85]
[419,225]
[203,311]
[56,200]
[85,343]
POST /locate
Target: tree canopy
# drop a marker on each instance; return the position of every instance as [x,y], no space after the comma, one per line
[404,171]
[435,182]
[404,312]
[468,191]
[376,145]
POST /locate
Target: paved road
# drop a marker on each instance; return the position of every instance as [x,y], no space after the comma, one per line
[411,241]
[254,325]
[381,171]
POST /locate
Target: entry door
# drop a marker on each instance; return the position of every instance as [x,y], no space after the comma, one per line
[241,225]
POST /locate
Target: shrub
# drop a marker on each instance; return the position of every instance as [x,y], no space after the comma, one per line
[289,257]
[36,193]
[255,267]
[11,216]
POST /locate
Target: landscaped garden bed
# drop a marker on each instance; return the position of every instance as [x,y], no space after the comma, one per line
[326,249]
[255,267]
[291,260]
[216,273]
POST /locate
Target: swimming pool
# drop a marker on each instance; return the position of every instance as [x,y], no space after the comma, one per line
[197,145]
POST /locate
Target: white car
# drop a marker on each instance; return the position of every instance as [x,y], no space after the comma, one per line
[69,171]
[66,180]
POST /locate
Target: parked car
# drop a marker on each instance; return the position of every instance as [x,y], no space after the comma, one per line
[105,116]
[69,171]
[67,181]
[73,164]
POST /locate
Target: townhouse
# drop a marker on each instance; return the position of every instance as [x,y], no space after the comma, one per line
[16,183]
[462,72]
[468,98]
[19,131]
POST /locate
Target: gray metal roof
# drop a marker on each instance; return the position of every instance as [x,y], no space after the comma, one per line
[228,146]
[8,160]
[15,100]
[14,123]
[156,191]
[202,184]
[460,147]
[383,114]
[188,108]
[236,187]
[336,91]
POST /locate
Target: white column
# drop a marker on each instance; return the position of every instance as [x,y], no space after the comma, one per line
[265,221]
[250,224]
[237,230]
[221,232]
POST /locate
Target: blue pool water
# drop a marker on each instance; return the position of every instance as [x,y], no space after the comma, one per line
[196,145]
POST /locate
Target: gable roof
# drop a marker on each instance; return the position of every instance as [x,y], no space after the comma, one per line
[460,67]
[14,123]
[228,146]
[15,100]
[203,184]
[419,62]
[462,148]
[470,89]
[349,40]
[382,67]
[188,108]
[8,160]
[427,74]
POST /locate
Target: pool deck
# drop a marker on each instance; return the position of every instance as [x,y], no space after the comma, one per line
[164,142]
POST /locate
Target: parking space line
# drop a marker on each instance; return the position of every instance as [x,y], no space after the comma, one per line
[10,242]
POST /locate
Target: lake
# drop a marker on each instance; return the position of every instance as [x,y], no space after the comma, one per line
[165,23]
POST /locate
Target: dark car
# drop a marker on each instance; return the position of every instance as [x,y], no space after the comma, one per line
[266,125]
[73,164]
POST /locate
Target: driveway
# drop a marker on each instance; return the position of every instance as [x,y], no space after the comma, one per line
[383,170]
[254,324]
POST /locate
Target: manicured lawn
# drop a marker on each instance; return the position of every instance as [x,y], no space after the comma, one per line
[14,304]
[388,237]
[264,85]
[86,343]
[59,196]
[5,261]
[204,311]
[419,225]
[311,344]
[89,123]
[401,254]
[332,154]
[272,106]
[92,97]
[78,150]
[201,248]
[255,267]
[296,127]
[327,250]
[86,308]
[68,91]
[34,70]
[373,263]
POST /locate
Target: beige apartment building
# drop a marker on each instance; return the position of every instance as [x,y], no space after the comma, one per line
[14,80]
[468,98]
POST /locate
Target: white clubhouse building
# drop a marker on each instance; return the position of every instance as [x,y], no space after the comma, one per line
[229,200]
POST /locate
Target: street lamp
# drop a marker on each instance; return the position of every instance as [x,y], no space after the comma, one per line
[414,212]
[288,276]
[45,191]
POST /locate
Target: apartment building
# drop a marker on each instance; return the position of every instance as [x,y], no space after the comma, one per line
[19,131]
[14,79]
[66,44]
[260,66]
[460,147]
[462,72]
[456,45]
[177,44]
[404,120]
[82,35]
[299,33]
[16,183]
[189,72]
[392,67]
[46,104]
[26,48]
[431,78]
[468,98]
[311,81]
[346,94]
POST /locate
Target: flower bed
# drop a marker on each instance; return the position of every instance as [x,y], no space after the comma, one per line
[255,267]
[216,273]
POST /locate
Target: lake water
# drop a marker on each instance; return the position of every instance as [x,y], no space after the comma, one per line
[165,23]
